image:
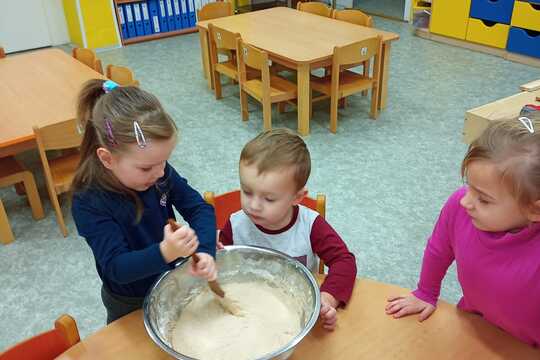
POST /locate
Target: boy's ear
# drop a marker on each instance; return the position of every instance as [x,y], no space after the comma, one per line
[105,157]
[300,195]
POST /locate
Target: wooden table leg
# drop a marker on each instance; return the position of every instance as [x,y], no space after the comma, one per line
[385,73]
[6,236]
[304,98]
[205,56]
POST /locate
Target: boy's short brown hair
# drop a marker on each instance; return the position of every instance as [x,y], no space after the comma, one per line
[277,149]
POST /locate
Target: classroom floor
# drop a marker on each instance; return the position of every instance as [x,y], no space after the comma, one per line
[385,180]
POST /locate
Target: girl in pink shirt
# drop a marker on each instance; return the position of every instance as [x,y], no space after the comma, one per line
[491,228]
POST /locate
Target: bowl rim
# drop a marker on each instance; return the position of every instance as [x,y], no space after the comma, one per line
[152,332]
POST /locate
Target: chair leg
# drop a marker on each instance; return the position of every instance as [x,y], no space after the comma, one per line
[57,209]
[217,85]
[281,107]
[267,115]
[33,196]
[244,105]
[6,235]
[365,66]
[333,113]
[374,101]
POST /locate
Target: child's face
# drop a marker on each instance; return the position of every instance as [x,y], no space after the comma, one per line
[488,201]
[137,168]
[268,198]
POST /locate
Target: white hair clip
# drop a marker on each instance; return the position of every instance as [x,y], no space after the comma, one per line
[527,123]
[141,141]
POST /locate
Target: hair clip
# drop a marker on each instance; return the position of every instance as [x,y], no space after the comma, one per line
[109,132]
[141,141]
[109,86]
[527,123]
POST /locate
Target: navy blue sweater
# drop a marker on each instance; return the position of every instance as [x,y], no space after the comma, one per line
[128,259]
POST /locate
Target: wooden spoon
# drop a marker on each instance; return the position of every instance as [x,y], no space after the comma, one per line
[213,284]
[228,305]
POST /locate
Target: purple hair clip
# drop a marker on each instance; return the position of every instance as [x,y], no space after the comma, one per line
[109,132]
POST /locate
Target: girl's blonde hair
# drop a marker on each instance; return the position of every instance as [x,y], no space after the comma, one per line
[513,146]
[108,121]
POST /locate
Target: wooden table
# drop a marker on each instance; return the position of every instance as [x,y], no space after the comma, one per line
[298,40]
[37,88]
[364,332]
[477,119]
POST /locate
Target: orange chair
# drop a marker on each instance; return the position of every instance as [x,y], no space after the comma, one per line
[228,203]
[88,57]
[314,7]
[222,41]
[215,10]
[265,88]
[59,171]
[121,75]
[47,345]
[341,84]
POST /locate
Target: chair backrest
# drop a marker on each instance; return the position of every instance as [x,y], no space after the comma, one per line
[354,17]
[2,53]
[215,10]
[257,59]
[87,57]
[221,38]
[47,345]
[228,203]
[357,52]
[121,75]
[314,7]
[62,135]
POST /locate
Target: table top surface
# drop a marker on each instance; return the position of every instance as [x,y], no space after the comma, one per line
[38,88]
[297,36]
[364,331]
[506,108]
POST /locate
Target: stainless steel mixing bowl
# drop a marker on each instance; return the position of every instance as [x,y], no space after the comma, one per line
[173,290]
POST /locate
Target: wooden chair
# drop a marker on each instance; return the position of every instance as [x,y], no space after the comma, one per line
[222,41]
[6,235]
[60,170]
[267,89]
[314,7]
[356,17]
[215,10]
[121,75]
[12,172]
[342,83]
[2,53]
[88,57]
[228,203]
[47,345]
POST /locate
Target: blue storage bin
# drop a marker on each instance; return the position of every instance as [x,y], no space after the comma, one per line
[499,11]
[526,42]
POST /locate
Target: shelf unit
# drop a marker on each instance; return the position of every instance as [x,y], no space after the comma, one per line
[143,38]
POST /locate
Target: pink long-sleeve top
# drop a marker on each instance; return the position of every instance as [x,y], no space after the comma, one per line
[499,272]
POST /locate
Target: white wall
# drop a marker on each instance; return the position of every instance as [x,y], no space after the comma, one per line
[30,24]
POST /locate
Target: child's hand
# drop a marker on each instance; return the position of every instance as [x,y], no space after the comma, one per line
[400,306]
[328,312]
[219,244]
[180,243]
[205,267]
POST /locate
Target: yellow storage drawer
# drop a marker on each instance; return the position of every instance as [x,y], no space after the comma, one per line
[450,17]
[487,33]
[526,15]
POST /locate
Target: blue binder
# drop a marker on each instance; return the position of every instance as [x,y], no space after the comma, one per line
[122,20]
[154,15]
[139,28]
[192,16]
[162,16]
[146,19]
[185,14]
[177,15]
[130,21]
[170,15]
